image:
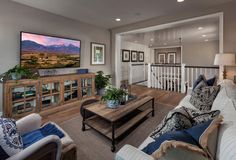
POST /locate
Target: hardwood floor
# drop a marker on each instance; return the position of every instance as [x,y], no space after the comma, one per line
[161,97]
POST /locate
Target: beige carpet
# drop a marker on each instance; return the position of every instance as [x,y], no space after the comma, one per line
[93,146]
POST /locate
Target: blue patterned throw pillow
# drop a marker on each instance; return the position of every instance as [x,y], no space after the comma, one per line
[10,139]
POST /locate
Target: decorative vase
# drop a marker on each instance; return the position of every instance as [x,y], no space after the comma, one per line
[113,104]
[15,76]
[101,91]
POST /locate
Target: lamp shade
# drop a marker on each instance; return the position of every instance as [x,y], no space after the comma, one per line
[226,59]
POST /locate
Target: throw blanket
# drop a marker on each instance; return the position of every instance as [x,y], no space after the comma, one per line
[36,135]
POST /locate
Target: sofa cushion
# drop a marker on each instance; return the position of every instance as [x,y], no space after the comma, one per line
[203,96]
[10,139]
[176,119]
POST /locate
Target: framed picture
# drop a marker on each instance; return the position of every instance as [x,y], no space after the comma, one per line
[162,58]
[125,55]
[134,56]
[141,56]
[97,54]
[171,57]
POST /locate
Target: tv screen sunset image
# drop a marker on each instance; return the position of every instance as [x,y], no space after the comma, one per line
[44,52]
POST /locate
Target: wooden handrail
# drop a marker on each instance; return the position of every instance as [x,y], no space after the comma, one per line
[211,67]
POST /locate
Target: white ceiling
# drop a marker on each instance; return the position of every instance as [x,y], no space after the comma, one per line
[170,36]
[103,12]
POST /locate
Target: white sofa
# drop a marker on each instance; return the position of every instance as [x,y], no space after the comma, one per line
[226,145]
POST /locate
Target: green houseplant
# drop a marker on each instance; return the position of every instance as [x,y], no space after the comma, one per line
[19,72]
[113,96]
[101,81]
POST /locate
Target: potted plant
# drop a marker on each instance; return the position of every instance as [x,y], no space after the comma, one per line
[19,72]
[113,96]
[101,81]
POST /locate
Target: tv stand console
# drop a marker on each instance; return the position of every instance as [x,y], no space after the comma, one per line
[46,95]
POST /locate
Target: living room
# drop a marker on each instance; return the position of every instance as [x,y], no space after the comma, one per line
[97,31]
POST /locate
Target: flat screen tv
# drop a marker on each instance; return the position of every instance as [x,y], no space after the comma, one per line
[46,52]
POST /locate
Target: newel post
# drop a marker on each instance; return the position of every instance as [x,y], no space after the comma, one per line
[149,76]
[183,78]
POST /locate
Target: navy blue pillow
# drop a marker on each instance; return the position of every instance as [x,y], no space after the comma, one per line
[190,136]
[36,135]
[199,79]
[182,136]
[196,131]
[209,82]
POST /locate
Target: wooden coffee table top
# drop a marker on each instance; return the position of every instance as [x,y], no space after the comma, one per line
[113,115]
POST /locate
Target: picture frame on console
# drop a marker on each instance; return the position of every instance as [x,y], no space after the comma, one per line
[125,55]
[141,56]
[98,53]
[134,56]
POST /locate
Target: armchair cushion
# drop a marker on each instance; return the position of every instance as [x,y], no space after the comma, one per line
[10,139]
[36,135]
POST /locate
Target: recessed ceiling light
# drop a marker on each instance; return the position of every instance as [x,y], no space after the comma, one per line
[164,43]
[135,41]
[150,45]
[200,28]
[180,0]
[151,39]
[206,40]
[204,35]
[118,19]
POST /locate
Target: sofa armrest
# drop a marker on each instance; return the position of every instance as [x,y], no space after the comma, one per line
[29,123]
[129,152]
[49,146]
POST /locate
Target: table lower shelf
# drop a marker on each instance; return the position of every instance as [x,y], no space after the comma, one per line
[105,127]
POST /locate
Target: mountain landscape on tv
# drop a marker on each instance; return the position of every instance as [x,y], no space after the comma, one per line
[43,52]
[30,46]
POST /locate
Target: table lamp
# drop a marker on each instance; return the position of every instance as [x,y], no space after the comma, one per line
[224,59]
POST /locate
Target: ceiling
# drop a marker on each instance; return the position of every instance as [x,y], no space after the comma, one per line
[103,12]
[188,32]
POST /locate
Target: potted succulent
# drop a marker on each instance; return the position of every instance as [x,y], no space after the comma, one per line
[19,72]
[101,81]
[113,97]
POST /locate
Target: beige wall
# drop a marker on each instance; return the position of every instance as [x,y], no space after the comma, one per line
[200,54]
[229,26]
[15,18]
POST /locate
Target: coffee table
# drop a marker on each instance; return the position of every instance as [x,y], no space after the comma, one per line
[112,123]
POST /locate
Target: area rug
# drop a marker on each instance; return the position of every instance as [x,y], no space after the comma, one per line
[93,146]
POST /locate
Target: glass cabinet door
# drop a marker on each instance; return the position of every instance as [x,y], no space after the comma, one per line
[71,88]
[50,94]
[24,100]
[86,87]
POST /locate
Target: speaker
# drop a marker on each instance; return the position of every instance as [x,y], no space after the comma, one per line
[82,71]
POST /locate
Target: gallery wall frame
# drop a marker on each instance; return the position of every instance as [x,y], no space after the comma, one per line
[141,56]
[125,55]
[134,56]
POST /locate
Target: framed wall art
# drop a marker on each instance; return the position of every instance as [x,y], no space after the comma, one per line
[134,56]
[98,53]
[141,56]
[162,58]
[125,55]
[171,57]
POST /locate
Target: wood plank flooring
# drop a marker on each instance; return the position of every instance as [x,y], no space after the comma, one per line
[161,97]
